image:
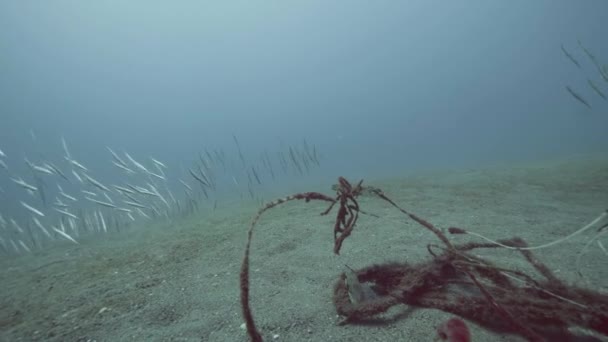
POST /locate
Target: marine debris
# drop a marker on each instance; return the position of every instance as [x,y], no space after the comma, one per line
[537,306]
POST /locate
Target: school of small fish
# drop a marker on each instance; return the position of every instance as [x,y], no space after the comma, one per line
[599,71]
[85,204]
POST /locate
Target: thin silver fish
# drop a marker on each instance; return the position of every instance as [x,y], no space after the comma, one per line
[32,209]
[596,89]
[123,167]
[66,213]
[578,97]
[105,204]
[158,163]
[95,182]
[570,56]
[65,235]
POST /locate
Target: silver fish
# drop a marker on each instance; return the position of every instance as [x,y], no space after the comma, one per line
[105,204]
[134,204]
[39,225]
[597,90]
[43,169]
[108,198]
[95,182]
[156,175]
[90,193]
[71,198]
[77,164]
[138,165]
[185,184]
[116,157]
[103,222]
[57,171]
[60,204]
[77,176]
[123,167]
[32,209]
[123,189]
[141,212]
[65,235]
[65,148]
[158,163]
[570,56]
[578,97]
[24,246]
[66,213]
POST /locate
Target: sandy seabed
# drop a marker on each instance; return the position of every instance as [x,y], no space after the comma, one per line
[178,281]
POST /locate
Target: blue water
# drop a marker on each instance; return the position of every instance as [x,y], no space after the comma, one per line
[379,88]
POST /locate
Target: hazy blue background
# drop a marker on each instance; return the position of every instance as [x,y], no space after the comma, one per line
[380,87]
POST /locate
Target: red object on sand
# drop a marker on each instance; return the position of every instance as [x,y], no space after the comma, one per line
[454,330]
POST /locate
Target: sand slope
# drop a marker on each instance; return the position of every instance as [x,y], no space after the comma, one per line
[178,281]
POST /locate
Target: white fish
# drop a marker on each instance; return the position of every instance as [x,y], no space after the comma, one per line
[71,198]
[65,235]
[124,210]
[17,226]
[43,169]
[120,166]
[185,184]
[77,164]
[2,154]
[130,197]
[27,186]
[95,182]
[158,163]
[123,189]
[116,157]
[77,176]
[24,246]
[138,165]
[65,149]
[90,193]
[141,212]
[56,170]
[32,209]
[73,226]
[144,191]
[59,203]
[46,232]
[160,169]
[66,213]
[159,195]
[103,222]
[156,175]
[170,194]
[105,204]
[28,163]
[14,246]
[134,204]
[108,198]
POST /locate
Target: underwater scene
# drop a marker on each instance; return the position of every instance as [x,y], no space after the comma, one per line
[414,170]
